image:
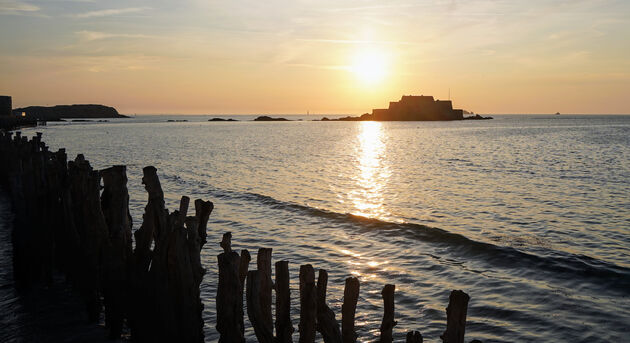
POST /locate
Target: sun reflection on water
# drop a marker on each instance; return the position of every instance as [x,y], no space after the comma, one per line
[367,196]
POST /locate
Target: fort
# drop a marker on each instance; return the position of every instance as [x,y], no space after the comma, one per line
[422,107]
[414,108]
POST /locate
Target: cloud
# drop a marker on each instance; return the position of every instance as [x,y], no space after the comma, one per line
[357,41]
[96,35]
[110,12]
[16,7]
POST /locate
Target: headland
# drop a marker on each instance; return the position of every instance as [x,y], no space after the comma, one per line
[55,113]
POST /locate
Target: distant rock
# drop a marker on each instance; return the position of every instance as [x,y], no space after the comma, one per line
[267,118]
[68,111]
[222,119]
[365,116]
[177,120]
[477,117]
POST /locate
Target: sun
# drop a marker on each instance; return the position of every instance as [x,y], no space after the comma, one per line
[370,66]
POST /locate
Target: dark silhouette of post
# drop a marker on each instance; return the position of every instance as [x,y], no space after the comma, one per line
[229,298]
[284,327]
[326,323]
[263,262]
[456,317]
[115,206]
[388,323]
[308,304]
[348,310]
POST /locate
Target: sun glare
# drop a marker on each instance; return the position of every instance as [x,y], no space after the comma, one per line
[370,67]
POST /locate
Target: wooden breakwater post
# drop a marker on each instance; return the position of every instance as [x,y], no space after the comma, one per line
[456,317]
[315,314]
[115,205]
[326,323]
[308,304]
[388,323]
[348,310]
[228,301]
[284,327]
[63,220]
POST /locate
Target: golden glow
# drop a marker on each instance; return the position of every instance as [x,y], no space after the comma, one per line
[370,66]
[372,264]
[367,196]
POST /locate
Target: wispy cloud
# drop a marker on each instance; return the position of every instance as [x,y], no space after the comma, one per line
[89,36]
[16,7]
[110,12]
[357,41]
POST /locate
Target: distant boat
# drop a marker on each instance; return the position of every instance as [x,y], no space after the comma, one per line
[557,113]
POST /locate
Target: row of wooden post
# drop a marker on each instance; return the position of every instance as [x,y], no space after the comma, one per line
[315,314]
[63,221]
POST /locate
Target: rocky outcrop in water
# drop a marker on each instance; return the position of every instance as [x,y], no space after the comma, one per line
[268,118]
[68,111]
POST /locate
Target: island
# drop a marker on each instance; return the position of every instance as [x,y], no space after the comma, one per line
[55,113]
[414,108]
[222,119]
[268,118]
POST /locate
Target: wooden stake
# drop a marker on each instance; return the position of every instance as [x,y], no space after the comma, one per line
[348,310]
[388,323]
[284,327]
[456,317]
[326,323]
[308,304]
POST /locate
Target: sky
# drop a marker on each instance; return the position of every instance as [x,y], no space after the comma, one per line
[320,56]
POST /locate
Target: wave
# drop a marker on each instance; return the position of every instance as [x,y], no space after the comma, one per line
[555,264]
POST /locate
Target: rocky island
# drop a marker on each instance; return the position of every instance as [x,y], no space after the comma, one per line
[58,112]
[414,108]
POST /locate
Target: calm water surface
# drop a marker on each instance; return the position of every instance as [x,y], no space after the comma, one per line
[530,215]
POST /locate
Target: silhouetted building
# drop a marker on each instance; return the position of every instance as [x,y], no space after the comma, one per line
[413,107]
[5,106]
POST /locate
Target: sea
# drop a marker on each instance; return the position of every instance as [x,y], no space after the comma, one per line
[528,214]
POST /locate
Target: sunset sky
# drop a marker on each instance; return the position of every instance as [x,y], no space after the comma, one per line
[322,56]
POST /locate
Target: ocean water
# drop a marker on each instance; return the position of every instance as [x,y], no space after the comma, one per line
[530,215]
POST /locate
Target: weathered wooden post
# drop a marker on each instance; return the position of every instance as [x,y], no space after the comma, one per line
[284,327]
[92,231]
[326,323]
[143,309]
[203,209]
[263,262]
[348,310]
[414,337]
[388,323]
[254,309]
[308,304]
[456,317]
[242,275]
[229,298]
[259,296]
[115,206]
